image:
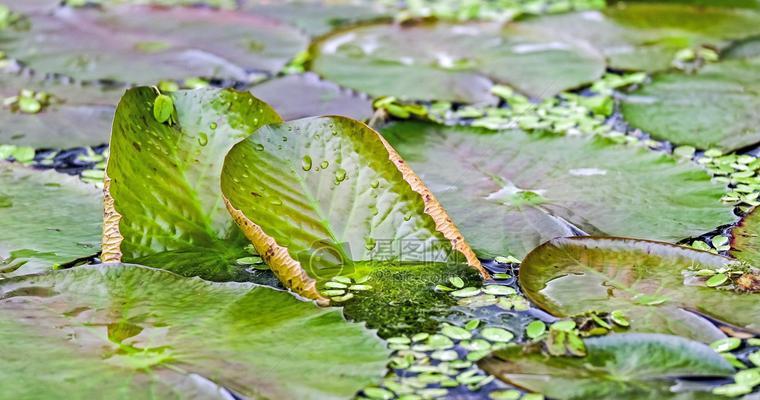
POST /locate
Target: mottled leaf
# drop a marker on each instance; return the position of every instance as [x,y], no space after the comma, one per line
[164,207]
[454,62]
[143,44]
[716,107]
[510,191]
[46,218]
[315,195]
[745,244]
[618,367]
[647,281]
[127,331]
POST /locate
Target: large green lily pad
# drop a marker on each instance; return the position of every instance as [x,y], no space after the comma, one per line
[646,36]
[80,115]
[127,331]
[305,95]
[47,218]
[144,44]
[454,62]
[647,281]
[618,367]
[316,194]
[745,244]
[717,107]
[167,210]
[510,191]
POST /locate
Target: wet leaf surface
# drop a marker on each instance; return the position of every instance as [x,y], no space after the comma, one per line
[46,219]
[165,181]
[625,366]
[745,244]
[510,191]
[716,107]
[453,62]
[143,44]
[316,194]
[646,281]
[116,331]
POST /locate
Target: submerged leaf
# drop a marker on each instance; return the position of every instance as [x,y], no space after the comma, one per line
[163,206]
[617,367]
[510,191]
[46,218]
[358,202]
[570,276]
[127,331]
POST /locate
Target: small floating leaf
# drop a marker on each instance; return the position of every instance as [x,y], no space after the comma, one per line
[535,329]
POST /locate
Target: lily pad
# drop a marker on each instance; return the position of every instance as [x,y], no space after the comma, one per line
[646,281]
[163,205]
[318,17]
[316,194]
[79,115]
[47,218]
[453,62]
[144,44]
[745,244]
[127,331]
[647,36]
[619,367]
[717,107]
[305,95]
[510,191]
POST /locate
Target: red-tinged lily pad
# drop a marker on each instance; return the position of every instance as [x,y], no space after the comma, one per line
[651,283]
[145,44]
[305,95]
[619,367]
[74,115]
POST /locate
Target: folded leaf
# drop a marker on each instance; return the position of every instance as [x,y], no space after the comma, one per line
[617,367]
[315,195]
[127,331]
[163,204]
[649,282]
[46,218]
[510,191]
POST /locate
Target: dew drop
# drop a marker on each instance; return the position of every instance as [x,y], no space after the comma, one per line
[408,216]
[202,139]
[306,163]
[276,202]
[340,175]
[212,125]
[375,184]
[369,243]
[324,164]
[259,147]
